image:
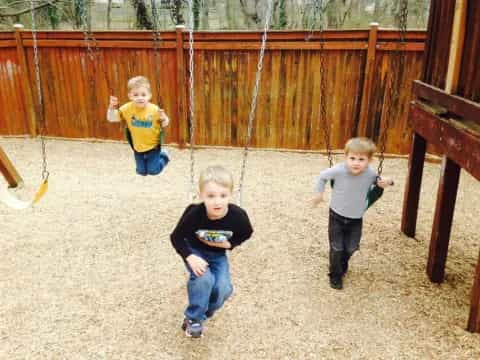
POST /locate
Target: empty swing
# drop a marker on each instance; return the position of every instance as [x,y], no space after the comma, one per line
[6,196]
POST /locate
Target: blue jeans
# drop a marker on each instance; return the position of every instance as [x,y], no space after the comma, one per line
[150,162]
[208,293]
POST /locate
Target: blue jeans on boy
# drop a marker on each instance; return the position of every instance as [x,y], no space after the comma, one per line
[208,293]
[151,162]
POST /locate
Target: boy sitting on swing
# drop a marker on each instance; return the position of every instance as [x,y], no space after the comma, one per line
[353,180]
[145,122]
[203,234]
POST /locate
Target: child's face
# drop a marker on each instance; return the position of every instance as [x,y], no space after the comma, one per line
[140,96]
[357,162]
[216,198]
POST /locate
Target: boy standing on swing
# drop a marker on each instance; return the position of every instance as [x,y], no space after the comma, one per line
[352,182]
[145,122]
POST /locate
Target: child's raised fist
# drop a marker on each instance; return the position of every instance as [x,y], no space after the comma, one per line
[113,102]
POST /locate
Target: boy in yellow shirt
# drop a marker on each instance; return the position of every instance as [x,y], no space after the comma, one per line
[145,121]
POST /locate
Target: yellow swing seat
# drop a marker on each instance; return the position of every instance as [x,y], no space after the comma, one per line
[9,199]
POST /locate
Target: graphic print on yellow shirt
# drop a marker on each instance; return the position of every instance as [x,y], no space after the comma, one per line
[144,125]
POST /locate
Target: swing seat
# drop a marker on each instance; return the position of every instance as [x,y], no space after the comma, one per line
[374,194]
[9,199]
[128,136]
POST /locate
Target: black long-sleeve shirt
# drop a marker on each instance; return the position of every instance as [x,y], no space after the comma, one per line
[195,218]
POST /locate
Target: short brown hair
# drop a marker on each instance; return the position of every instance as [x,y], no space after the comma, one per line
[361,145]
[138,81]
[218,174]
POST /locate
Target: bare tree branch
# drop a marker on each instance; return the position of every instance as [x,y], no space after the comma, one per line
[24,11]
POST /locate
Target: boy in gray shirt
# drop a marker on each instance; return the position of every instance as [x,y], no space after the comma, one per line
[352,182]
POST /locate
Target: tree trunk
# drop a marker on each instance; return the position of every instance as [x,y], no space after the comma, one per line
[176,12]
[109,14]
[143,19]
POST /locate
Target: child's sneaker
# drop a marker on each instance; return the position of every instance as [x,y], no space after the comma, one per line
[192,328]
[336,282]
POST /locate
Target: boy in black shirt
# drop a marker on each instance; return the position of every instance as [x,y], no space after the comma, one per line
[201,237]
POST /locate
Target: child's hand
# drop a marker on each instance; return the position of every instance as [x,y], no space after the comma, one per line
[384,182]
[113,102]
[163,117]
[317,199]
[223,244]
[197,264]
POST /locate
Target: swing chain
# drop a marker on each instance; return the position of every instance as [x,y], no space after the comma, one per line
[317,9]
[191,100]
[256,89]
[86,29]
[398,66]
[93,52]
[45,172]
[157,39]
[323,94]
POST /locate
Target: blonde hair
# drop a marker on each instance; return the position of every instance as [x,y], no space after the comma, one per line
[218,174]
[138,81]
[361,145]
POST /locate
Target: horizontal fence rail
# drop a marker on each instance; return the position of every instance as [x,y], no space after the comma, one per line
[75,86]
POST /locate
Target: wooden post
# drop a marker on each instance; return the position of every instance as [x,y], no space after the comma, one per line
[411,196]
[474,317]
[8,170]
[181,97]
[26,83]
[442,222]
[456,46]
[363,121]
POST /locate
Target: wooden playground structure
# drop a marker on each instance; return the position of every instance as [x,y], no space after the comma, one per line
[446,114]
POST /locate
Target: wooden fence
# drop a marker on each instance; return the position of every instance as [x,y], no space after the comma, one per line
[75,86]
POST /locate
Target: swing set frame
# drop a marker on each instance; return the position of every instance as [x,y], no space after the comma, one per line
[444,116]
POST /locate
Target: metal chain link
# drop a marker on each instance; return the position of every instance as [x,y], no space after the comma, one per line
[317,9]
[318,12]
[253,107]
[192,100]
[89,39]
[45,172]
[398,66]
[157,39]
[323,97]
[86,31]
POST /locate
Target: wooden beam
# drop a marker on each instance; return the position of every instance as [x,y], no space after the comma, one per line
[368,81]
[100,44]
[466,109]
[456,47]
[181,98]
[442,222]
[8,43]
[26,82]
[415,46]
[457,144]
[8,170]
[327,45]
[474,317]
[413,185]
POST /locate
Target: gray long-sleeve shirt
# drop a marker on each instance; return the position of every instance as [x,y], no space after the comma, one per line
[349,193]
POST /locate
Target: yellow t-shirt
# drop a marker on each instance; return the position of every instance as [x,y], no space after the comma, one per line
[144,125]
